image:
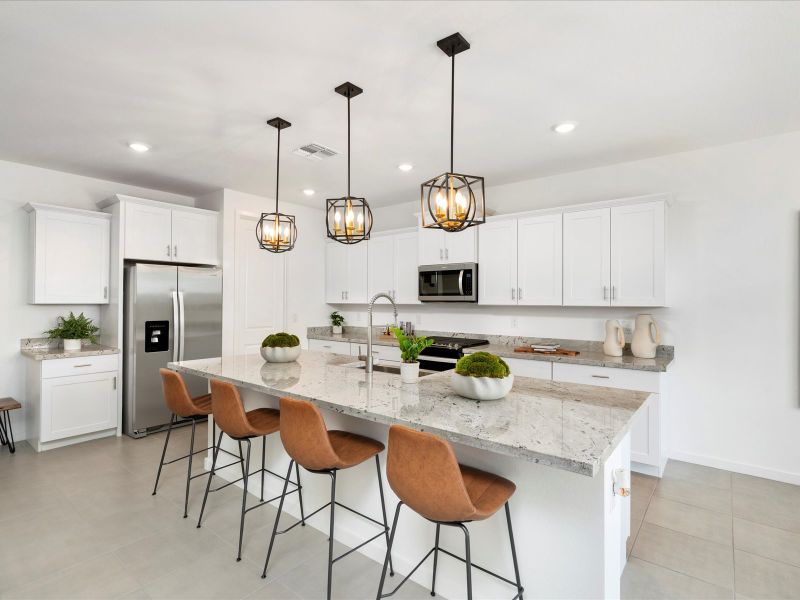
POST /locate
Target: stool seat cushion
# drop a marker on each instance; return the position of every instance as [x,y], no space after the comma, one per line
[264,421]
[176,395]
[203,404]
[352,449]
[488,492]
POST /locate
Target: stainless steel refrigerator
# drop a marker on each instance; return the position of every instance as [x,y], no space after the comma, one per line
[171,313]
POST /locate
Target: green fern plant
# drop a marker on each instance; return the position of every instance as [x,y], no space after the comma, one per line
[410,347]
[337,320]
[74,328]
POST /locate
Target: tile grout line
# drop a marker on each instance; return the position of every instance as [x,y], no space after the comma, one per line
[670,569]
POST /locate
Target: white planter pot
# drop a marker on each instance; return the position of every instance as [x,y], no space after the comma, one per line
[280,355]
[481,388]
[72,345]
[336,329]
[409,372]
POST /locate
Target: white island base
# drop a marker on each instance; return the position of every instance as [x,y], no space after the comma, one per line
[570,529]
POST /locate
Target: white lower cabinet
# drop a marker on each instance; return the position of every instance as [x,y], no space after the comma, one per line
[538,369]
[335,347]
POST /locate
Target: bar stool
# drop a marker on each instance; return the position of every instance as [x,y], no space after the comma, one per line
[424,473]
[309,444]
[182,406]
[228,412]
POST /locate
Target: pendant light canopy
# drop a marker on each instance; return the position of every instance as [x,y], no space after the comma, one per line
[453,201]
[277,232]
[349,219]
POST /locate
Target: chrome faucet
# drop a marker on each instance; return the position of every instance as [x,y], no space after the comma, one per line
[368,357]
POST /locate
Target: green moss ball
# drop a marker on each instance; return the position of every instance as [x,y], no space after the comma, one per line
[281,340]
[482,364]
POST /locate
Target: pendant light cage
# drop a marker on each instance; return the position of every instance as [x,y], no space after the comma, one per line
[348,219]
[453,201]
[276,231]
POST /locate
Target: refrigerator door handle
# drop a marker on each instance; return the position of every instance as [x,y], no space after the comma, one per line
[175,326]
[182,328]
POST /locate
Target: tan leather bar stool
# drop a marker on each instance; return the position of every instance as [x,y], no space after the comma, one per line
[424,473]
[182,406]
[228,411]
[309,444]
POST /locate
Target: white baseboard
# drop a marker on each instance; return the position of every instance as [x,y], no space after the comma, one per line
[736,467]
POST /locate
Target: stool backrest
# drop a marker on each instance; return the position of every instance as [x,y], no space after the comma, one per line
[228,409]
[424,473]
[176,395]
[305,436]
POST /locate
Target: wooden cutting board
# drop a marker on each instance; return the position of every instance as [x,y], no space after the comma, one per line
[559,352]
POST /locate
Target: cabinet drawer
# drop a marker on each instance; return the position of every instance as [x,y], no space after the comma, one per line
[80,365]
[645,381]
[538,369]
[329,346]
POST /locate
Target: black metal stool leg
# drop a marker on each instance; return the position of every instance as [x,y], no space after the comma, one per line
[389,550]
[300,494]
[3,440]
[435,559]
[383,510]
[246,476]
[263,455]
[330,539]
[189,471]
[513,552]
[277,519]
[468,561]
[163,454]
[7,432]
[210,476]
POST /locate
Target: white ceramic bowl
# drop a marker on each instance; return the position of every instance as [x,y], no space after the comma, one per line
[481,388]
[280,355]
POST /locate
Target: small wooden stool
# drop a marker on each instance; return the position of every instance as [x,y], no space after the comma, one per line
[6,432]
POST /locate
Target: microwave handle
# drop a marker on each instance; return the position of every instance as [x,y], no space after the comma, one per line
[461,282]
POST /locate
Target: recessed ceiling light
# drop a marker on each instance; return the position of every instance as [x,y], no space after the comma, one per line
[405,167]
[565,127]
[308,192]
[138,147]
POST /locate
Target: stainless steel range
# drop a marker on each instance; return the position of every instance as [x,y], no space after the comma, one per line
[445,352]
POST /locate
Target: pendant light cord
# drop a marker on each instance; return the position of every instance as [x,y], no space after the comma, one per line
[348,145]
[452,105]
[278,171]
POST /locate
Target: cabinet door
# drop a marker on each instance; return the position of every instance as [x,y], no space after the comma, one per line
[71,256]
[461,246]
[406,274]
[194,237]
[539,274]
[357,290]
[77,405]
[148,232]
[587,254]
[330,346]
[381,265]
[497,275]
[431,246]
[335,272]
[637,255]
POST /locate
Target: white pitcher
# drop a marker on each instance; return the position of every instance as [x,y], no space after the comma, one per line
[615,338]
[646,337]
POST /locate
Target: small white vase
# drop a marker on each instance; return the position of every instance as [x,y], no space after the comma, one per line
[72,345]
[280,355]
[481,388]
[336,329]
[615,338]
[646,337]
[409,372]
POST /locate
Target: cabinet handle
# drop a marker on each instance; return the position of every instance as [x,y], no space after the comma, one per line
[115,383]
[519,293]
[169,250]
[175,252]
[613,292]
[601,376]
[447,254]
[513,294]
[79,366]
[105,292]
[605,292]
[441,254]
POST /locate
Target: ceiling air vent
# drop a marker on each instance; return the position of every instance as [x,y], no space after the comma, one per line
[315,151]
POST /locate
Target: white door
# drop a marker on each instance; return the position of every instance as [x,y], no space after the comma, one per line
[357,290]
[539,273]
[335,272]
[72,259]
[78,404]
[587,256]
[195,237]
[406,273]
[381,265]
[148,232]
[431,246]
[461,246]
[637,255]
[497,260]
[258,288]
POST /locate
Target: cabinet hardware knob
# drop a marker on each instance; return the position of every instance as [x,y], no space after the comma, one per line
[169,250]
[513,294]
[175,252]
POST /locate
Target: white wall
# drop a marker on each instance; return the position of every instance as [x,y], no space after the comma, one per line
[20,184]
[732,293]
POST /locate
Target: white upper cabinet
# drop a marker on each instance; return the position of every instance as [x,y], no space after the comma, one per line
[381,264]
[638,255]
[335,272]
[406,274]
[497,257]
[539,260]
[587,257]
[148,232]
[357,274]
[437,246]
[346,273]
[69,254]
[431,246]
[194,237]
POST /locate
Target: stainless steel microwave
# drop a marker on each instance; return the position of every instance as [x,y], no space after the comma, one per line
[448,283]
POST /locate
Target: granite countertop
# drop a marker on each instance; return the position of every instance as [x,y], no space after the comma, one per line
[46,349]
[567,426]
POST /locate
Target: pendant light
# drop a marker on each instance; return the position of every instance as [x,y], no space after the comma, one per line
[276,231]
[453,201]
[349,219]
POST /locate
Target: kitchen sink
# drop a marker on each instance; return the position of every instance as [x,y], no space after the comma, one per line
[387,369]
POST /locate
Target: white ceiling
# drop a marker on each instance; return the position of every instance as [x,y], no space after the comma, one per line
[197,81]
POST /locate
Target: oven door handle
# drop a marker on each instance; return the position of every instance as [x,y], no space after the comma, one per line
[441,359]
[461,282]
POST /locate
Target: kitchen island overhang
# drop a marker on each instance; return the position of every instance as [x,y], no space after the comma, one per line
[558,442]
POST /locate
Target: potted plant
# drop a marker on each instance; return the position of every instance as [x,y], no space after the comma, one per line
[280,347]
[410,347]
[73,330]
[337,321]
[482,376]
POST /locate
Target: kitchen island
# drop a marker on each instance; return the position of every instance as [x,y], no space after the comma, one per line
[558,442]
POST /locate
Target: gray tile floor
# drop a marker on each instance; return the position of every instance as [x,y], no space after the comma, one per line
[80,522]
